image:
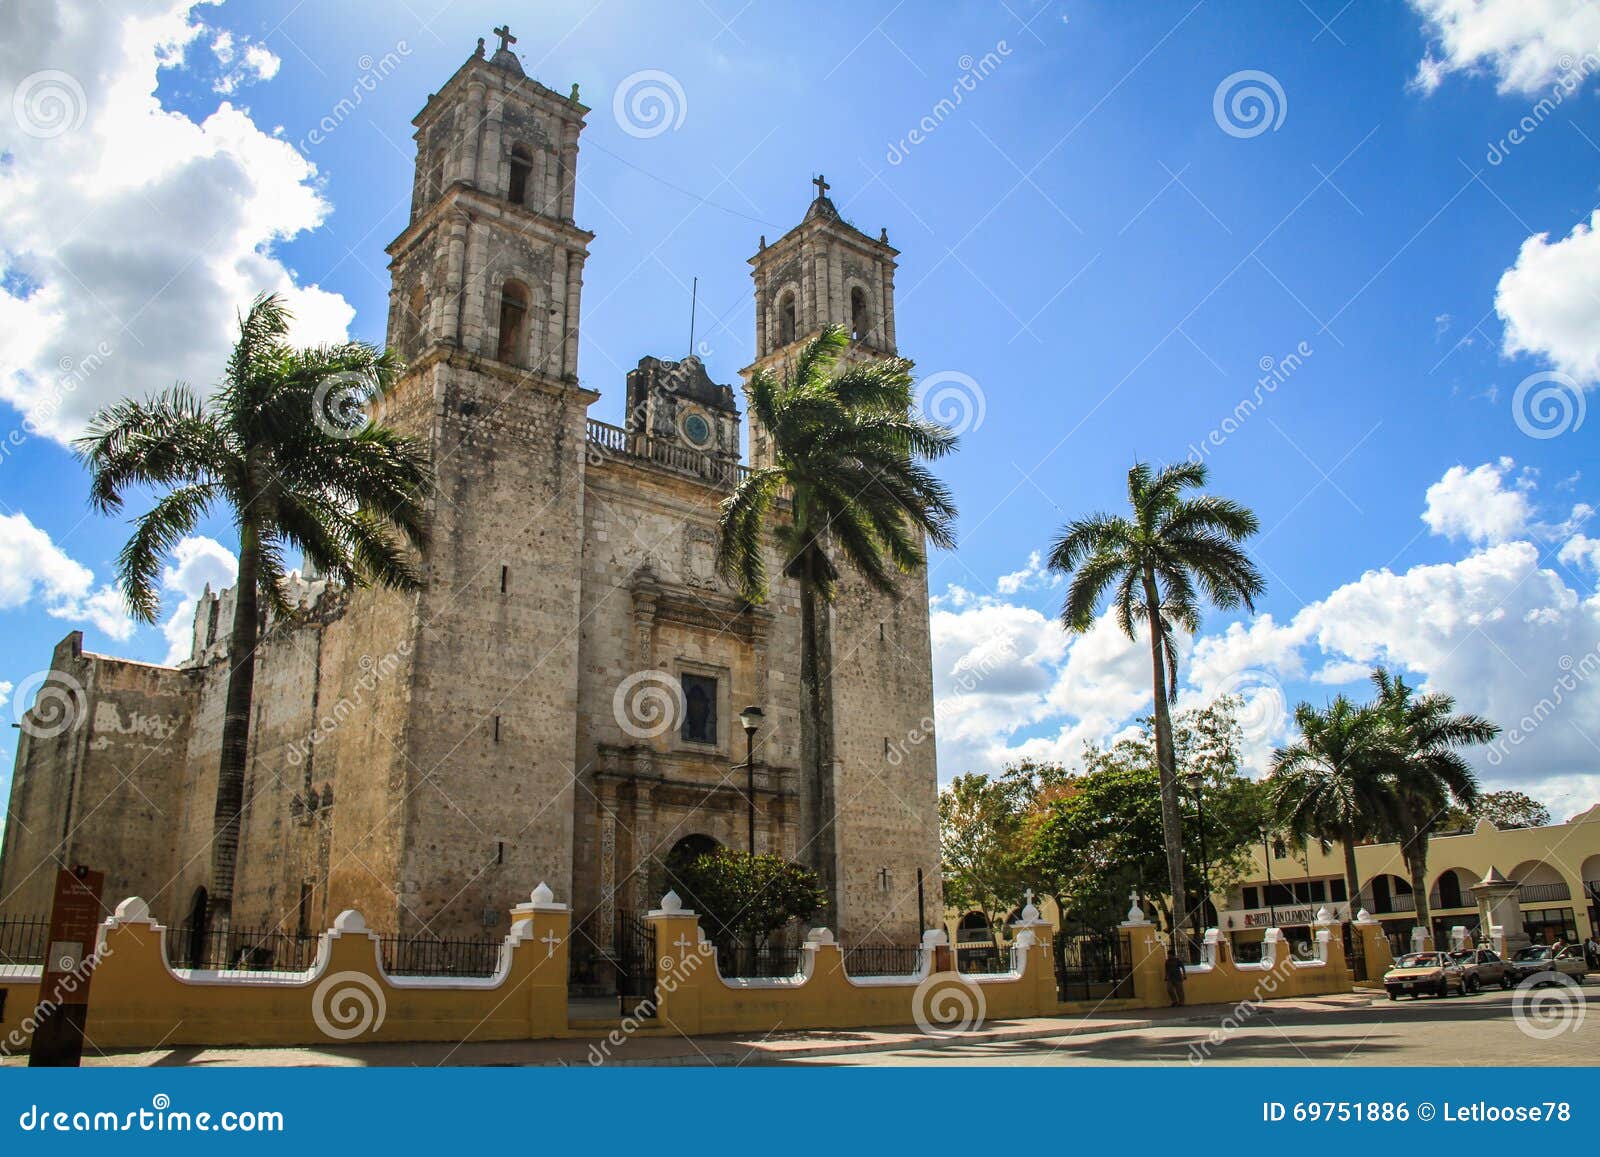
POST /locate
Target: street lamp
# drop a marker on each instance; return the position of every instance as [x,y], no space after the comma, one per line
[1196,781]
[750,719]
[1266,857]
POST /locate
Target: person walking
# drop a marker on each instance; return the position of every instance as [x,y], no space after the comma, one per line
[1175,974]
[1591,950]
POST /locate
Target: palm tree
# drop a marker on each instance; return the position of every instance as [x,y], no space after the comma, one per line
[1329,785]
[846,453]
[1172,549]
[283,444]
[1426,771]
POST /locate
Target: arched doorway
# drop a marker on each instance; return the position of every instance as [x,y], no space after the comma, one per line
[199,916]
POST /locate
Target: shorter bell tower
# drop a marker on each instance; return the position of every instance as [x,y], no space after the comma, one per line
[822,272]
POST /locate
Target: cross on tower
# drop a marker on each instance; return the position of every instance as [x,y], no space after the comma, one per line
[506,39]
[822,185]
[1027,895]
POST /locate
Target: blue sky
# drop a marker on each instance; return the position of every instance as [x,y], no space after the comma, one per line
[1101,255]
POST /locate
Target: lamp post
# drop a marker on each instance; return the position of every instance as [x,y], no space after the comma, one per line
[750,719]
[1266,857]
[1196,781]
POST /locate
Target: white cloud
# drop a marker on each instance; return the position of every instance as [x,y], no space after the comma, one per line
[1496,628]
[130,238]
[1549,301]
[198,563]
[1034,576]
[1525,44]
[241,67]
[1477,505]
[34,569]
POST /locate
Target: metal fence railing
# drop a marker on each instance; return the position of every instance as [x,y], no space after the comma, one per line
[23,939]
[881,960]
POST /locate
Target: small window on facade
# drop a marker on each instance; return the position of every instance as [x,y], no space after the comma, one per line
[304,920]
[786,319]
[860,319]
[513,323]
[1252,898]
[505,578]
[521,168]
[699,709]
[1336,890]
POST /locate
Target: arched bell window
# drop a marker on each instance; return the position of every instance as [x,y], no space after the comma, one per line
[786,319]
[860,316]
[513,341]
[521,170]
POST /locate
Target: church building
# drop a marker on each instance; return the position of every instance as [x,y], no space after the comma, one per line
[560,700]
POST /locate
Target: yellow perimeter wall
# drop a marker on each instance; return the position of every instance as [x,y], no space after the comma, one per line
[136,1001]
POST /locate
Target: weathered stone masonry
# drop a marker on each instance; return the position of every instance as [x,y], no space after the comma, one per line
[421,757]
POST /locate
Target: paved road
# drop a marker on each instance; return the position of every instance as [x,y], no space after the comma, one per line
[1475,1030]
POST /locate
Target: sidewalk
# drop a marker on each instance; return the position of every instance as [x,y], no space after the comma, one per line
[720,1051]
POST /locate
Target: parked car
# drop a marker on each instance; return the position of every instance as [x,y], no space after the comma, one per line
[1419,972]
[1484,969]
[1541,963]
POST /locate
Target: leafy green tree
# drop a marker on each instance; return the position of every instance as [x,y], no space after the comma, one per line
[744,899]
[981,845]
[1101,835]
[1173,551]
[1504,809]
[283,446]
[1426,771]
[1330,784]
[847,484]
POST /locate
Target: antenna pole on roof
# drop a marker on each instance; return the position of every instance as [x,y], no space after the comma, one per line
[694,301]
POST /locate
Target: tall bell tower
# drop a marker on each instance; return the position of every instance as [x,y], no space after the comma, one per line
[870,824]
[466,794]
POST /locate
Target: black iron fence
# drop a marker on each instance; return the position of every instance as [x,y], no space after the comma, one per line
[1098,966]
[983,959]
[415,956]
[634,954]
[240,949]
[23,939]
[1355,954]
[881,960]
[736,962]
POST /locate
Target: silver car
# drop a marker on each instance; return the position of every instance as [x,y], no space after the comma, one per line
[1542,963]
[1484,969]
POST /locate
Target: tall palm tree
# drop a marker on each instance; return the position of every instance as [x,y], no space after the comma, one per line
[1426,771]
[1329,785]
[1161,560]
[283,444]
[847,455]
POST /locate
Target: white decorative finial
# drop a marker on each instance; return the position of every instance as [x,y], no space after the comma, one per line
[1135,913]
[672,902]
[542,894]
[1030,913]
[133,908]
[1324,915]
[1363,917]
[349,921]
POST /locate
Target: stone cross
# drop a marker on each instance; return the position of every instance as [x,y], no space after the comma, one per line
[822,185]
[1027,895]
[683,943]
[549,940]
[506,39]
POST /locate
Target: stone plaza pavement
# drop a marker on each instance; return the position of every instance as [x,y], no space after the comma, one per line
[776,1047]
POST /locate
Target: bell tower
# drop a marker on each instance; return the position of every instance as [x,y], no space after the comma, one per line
[466,788]
[823,271]
[869,824]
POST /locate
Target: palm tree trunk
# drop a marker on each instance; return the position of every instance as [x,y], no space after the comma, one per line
[1415,853]
[1352,874]
[1166,761]
[815,750]
[235,733]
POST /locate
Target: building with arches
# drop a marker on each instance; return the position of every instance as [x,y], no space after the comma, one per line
[560,701]
[1556,869]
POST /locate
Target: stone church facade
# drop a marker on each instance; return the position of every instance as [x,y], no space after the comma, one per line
[559,701]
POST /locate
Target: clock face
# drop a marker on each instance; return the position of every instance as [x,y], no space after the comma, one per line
[697,429]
